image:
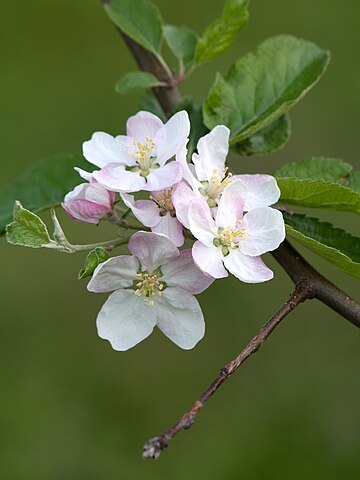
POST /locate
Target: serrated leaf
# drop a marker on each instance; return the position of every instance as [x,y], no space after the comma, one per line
[93,259]
[218,36]
[264,85]
[42,186]
[182,42]
[139,19]
[268,140]
[329,169]
[136,81]
[334,244]
[27,229]
[198,128]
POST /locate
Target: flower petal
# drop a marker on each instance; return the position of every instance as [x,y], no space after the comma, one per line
[103,149]
[212,152]
[247,269]
[262,190]
[125,320]
[182,272]
[84,174]
[163,177]
[202,225]
[146,211]
[172,136]
[152,249]
[143,125]
[182,197]
[231,205]
[187,169]
[114,177]
[117,272]
[171,228]
[180,318]
[266,230]
[209,260]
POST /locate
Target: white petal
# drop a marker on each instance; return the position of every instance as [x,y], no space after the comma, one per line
[142,125]
[212,152]
[231,205]
[163,177]
[180,318]
[146,211]
[115,273]
[152,249]
[97,194]
[188,174]
[182,197]
[209,260]
[202,225]
[125,320]
[262,191]
[116,178]
[103,149]
[247,269]
[266,230]
[172,136]
[83,174]
[171,228]
[182,272]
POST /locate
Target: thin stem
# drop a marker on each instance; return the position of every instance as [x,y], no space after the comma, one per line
[108,244]
[154,447]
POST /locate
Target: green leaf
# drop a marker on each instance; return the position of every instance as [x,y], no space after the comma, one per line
[140,20]
[42,186]
[27,229]
[198,128]
[264,85]
[268,140]
[93,259]
[354,181]
[136,81]
[219,36]
[150,103]
[329,169]
[334,244]
[182,42]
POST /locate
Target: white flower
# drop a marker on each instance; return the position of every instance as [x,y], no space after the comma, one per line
[154,286]
[138,161]
[232,240]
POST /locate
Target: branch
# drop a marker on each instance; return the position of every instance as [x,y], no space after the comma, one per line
[154,447]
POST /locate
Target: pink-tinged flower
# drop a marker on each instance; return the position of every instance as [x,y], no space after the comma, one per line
[88,202]
[158,213]
[207,177]
[153,287]
[139,160]
[234,240]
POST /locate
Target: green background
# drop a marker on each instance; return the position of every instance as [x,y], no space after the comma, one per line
[70,406]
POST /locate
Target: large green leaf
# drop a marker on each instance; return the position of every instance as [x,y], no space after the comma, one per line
[42,186]
[139,19]
[182,42]
[334,244]
[136,81]
[321,168]
[267,140]
[218,36]
[27,229]
[354,181]
[264,85]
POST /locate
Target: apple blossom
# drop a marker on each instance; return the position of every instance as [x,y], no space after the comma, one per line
[153,287]
[158,213]
[234,240]
[138,161]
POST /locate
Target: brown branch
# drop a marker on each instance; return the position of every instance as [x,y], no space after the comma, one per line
[154,447]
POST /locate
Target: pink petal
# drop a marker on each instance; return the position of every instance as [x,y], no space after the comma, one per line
[172,136]
[171,228]
[231,205]
[142,125]
[116,178]
[262,190]
[163,177]
[247,269]
[115,273]
[202,225]
[146,211]
[209,260]
[182,197]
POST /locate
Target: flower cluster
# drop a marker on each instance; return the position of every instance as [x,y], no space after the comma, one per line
[229,216]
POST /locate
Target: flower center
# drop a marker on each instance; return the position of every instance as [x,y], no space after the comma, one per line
[215,186]
[230,238]
[143,156]
[163,200]
[148,287]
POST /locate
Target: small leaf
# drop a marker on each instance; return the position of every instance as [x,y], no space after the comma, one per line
[182,42]
[321,168]
[268,140]
[198,128]
[93,259]
[334,244]
[219,36]
[354,181]
[27,229]
[43,186]
[139,19]
[136,81]
[264,85]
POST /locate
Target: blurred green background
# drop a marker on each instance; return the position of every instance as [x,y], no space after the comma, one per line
[70,406]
